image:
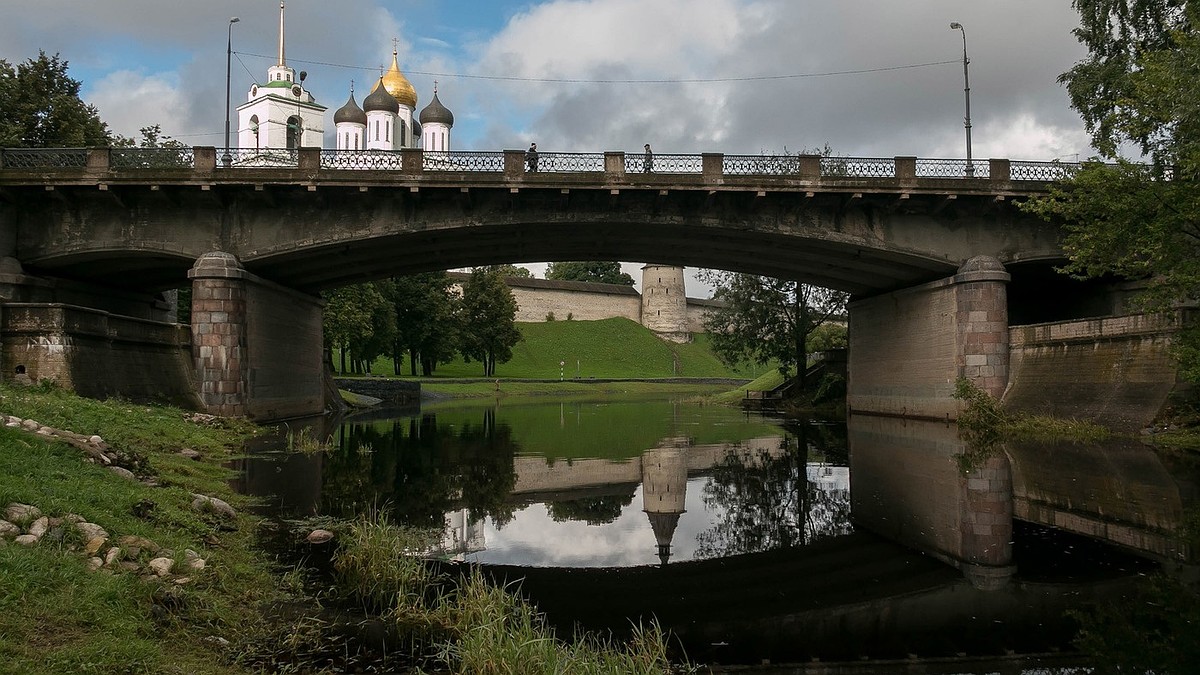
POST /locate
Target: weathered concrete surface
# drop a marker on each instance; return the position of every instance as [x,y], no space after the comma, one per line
[1118,491]
[907,348]
[1116,371]
[97,354]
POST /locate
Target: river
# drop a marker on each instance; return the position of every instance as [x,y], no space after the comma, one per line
[758,540]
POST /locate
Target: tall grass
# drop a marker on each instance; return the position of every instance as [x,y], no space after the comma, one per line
[470,625]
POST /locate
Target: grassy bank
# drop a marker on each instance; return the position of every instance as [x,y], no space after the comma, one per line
[609,348]
[566,390]
[73,602]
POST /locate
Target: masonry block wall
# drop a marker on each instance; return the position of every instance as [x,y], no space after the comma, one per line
[534,304]
[97,354]
[1116,371]
[907,348]
[257,346]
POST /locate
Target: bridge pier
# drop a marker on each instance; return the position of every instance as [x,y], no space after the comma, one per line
[908,347]
[256,345]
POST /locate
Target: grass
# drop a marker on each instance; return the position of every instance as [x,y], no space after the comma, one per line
[609,348]
[569,390]
[768,380]
[59,616]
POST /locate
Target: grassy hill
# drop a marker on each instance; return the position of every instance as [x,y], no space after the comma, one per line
[601,349]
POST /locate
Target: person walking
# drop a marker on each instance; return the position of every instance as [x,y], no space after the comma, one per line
[648,160]
[531,158]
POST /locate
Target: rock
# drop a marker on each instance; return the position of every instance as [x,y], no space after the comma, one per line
[217,640]
[26,540]
[12,424]
[122,472]
[206,504]
[95,563]
[128,565]
[319,536]
[95,440]
[111,555]
[74,518]
[193,561]
[130,541]
[8,530]
[161,566]
[183,580]
[190,454]
[39,527]
[45,431]
[90,531]
[30,425]
[10,419]
[21,513]
[93,545]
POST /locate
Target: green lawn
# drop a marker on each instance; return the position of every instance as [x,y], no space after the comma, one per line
[609,348]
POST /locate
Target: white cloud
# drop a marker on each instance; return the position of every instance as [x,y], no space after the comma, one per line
[129,101]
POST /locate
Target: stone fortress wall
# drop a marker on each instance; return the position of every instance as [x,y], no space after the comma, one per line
[666,309]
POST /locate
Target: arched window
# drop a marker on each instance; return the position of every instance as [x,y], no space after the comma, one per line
[376,129]
[293,132]
[403,133]
[254,129]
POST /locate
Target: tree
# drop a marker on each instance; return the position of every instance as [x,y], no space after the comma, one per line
[1137,87]
[595,271]
[426,320]
[511,271]
[766,319]
[40,107]
[352,317]
[488,320]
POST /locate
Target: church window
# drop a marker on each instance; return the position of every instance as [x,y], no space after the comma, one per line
[403,132]
[376,129]
[387,132]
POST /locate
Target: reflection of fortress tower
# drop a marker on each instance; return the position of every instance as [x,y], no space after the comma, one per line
[664,303]
[664,484]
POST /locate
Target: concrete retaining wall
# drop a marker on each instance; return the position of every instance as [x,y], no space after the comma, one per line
[1116,371]
[97,354]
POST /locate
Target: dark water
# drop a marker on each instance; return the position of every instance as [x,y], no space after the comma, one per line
[754,539]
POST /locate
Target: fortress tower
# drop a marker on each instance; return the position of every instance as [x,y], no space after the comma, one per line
[664,486]
[664,302]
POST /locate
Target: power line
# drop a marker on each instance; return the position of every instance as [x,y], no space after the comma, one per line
[697,80]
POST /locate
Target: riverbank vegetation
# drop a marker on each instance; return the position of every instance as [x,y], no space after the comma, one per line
[240,609]
[984,424]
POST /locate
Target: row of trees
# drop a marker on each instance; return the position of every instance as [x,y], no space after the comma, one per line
[424,317]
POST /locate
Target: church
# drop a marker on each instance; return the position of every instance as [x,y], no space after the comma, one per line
[280,114]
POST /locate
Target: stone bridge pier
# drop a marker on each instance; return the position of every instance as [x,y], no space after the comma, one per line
[256,345]
[908,347]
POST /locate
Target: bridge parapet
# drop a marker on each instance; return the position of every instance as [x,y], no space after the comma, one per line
[711,167]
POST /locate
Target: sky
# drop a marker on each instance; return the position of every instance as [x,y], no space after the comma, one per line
[867,78]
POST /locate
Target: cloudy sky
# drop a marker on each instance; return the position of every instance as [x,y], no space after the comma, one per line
[870,78]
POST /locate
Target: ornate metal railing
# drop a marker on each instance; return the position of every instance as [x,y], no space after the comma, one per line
[952,168]
[635,162]
[858,167]
[378,160]
[550,162]
[45,158]
[1048,171]
[760,165]
[482,162]
[257,158]
[151,158]
[564,162]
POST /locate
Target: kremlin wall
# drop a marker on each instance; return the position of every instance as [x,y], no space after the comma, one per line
[663,306]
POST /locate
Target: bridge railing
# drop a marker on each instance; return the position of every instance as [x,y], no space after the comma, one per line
[806,167]
[45,158]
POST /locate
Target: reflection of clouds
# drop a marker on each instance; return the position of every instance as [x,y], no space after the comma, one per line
[536,540]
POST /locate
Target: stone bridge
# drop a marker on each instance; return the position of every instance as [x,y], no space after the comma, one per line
[90,236]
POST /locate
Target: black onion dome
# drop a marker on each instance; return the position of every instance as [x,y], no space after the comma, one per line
[416,128]
[436,113]
[350,113]
[380,99]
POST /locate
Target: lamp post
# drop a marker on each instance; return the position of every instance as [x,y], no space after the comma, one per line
[226,160]
[967,92]
[299,121]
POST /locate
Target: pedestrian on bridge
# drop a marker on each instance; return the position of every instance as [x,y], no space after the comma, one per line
[531,158]
[648,160]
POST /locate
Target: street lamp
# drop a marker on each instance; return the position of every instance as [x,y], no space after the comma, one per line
[299,120]
[967,91]
[226,159]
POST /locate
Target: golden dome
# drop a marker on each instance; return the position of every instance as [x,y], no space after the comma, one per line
[398,85]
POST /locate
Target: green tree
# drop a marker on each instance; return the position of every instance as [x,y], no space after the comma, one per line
[511,271]
[426,320]
[488,320]
[40,107]
[766,319]
[352,316]
[596,271]
[1137,87]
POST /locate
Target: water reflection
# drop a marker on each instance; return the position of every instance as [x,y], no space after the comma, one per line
[881,539]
